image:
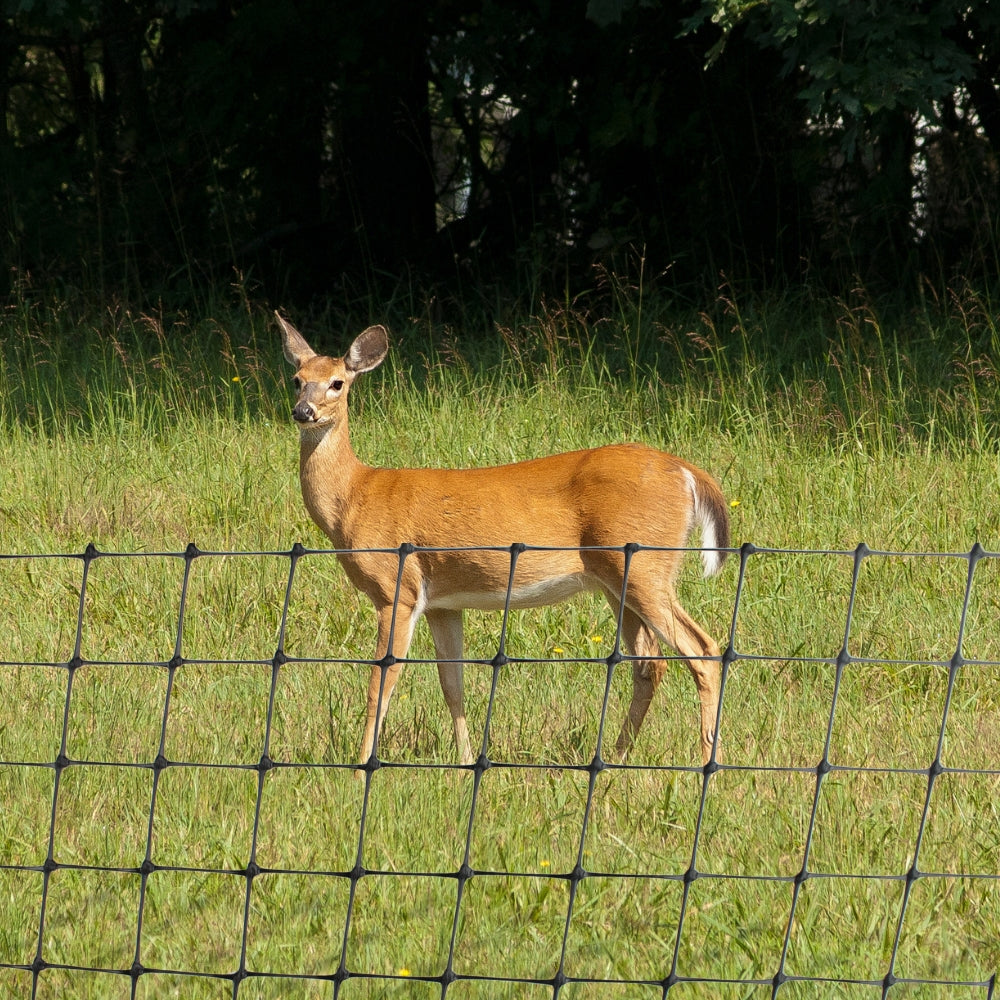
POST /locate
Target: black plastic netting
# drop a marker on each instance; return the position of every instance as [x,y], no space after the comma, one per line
[844,842]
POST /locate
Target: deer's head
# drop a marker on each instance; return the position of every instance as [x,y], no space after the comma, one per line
[321,383]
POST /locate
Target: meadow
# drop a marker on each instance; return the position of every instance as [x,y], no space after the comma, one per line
[860,723]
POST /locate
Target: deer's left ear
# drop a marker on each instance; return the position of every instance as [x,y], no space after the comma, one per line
[368,350]
[297,352]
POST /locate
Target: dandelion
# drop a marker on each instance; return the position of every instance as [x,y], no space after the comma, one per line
[545,863]
[733,504]
[236,378]
[404,971]
[558,650]
[597,638]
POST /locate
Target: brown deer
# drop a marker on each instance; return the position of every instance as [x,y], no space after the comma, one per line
[581,509]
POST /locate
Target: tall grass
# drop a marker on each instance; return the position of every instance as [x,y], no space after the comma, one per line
[828,423]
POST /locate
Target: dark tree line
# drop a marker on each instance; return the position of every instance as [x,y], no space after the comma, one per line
[149,146]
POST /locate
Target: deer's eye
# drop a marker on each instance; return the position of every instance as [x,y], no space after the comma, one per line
[337,384]
[297,382]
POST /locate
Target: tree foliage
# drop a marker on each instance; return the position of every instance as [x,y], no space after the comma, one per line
[149,146]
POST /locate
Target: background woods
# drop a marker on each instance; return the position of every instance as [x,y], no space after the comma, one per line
[149,147]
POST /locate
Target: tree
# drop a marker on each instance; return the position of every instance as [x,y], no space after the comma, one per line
[152,146]
[907,93]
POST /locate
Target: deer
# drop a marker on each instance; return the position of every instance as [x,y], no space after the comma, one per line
[433,542]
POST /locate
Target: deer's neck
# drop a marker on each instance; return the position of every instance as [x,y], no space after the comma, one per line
[328,469]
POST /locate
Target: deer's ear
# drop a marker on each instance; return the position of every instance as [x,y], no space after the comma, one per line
[368,350]
[297,352]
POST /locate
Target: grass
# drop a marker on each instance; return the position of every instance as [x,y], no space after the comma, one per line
[828,424]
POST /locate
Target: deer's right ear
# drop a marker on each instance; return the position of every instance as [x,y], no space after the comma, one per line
[368,350]
[297,352]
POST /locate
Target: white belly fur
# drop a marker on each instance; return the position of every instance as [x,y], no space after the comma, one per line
[533,595]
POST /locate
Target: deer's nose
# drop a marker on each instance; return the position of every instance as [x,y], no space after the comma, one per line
[303,412]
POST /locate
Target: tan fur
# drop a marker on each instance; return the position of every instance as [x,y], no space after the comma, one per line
[568,503]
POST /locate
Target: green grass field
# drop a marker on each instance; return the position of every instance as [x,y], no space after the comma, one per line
[827,424]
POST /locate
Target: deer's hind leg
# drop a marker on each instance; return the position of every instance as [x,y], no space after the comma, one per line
[704,660]
[653,613]
[647,672]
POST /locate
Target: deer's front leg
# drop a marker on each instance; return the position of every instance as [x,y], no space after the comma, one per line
[446,628]
[395,632]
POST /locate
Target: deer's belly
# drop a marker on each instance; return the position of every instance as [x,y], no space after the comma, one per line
[536,594]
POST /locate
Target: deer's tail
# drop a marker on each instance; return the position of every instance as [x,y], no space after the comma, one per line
[711,513]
